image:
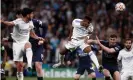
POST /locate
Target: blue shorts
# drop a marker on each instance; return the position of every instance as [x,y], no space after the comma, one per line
[37,54]
[111,68]
[81,70]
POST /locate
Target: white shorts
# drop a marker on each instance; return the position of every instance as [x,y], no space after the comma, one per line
[18,50]
[74,43]
[126,74]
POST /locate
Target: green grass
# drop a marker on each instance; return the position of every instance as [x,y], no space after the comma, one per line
[34,78]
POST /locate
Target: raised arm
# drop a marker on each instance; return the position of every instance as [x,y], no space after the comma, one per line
[109,50]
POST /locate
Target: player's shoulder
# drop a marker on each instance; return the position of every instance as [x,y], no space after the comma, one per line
[122,51]
[37,22]
[105,42]
[18,20]
[77,20]
[119,45]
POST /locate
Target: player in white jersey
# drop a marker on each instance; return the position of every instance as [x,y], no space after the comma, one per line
[18,16]
[126,58]
[23,28]
[82,29]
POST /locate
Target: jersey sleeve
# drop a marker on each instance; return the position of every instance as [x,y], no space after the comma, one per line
[119,56]
[31,24]
[40,24]
[91,28]
[117,48]
[94,48]
[15,21]
[76,23]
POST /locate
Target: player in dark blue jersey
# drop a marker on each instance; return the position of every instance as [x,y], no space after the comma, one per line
[37,46]
[110,53]
[85,63]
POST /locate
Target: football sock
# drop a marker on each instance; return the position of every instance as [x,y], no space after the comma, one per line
[62,59]
[20,76]
[94,59]
[29,55]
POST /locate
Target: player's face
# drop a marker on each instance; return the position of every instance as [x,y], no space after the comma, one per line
[112,41]
[86,22]
[128,44]
[30,16]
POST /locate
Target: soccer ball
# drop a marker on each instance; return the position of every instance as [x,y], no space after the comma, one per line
[120,7]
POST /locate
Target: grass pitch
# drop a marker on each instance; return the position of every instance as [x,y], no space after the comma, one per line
[34,78]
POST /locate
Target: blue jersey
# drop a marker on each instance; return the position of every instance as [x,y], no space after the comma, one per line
[40,30]
[108,58]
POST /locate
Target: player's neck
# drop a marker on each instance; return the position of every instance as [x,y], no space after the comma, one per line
[25,20]
[128,49]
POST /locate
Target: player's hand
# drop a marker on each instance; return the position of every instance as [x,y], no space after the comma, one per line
[40,42]
[1,21]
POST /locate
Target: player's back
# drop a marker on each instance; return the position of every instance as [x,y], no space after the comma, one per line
[80,31]
[84,58]
[21,30]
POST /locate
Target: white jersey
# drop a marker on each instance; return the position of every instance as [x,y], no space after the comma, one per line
[127,59]
[80,31]
[21,30]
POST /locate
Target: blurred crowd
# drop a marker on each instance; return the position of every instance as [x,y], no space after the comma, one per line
[58,16]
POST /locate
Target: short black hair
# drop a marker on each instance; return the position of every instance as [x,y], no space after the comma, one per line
[113,36]
[88,17]
[128,39]
[26,11]
[18,12]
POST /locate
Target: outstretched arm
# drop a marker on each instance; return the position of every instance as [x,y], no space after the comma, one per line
[91,41]
[109,50]
[8,23]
